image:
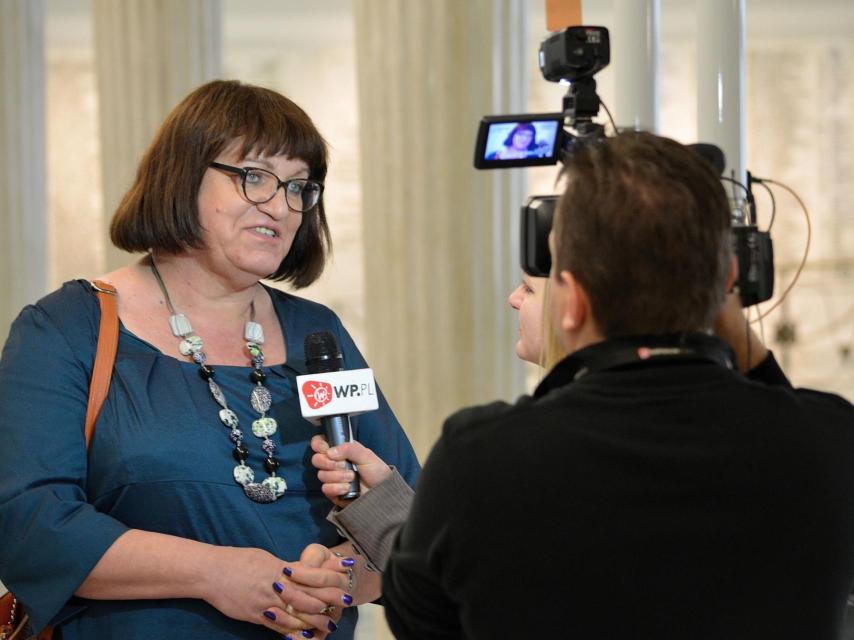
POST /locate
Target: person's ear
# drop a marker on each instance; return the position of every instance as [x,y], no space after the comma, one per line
[732,276]
[575,303]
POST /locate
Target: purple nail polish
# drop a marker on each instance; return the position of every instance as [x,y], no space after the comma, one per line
[270,615]
[347,599]
[307,633]
[348,562]
[287,571]
[331,626]
[287,638]
[278,587]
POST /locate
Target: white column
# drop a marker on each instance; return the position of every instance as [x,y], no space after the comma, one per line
[149,55]
[23,179]
[635,42]
[720,80]
[441,240]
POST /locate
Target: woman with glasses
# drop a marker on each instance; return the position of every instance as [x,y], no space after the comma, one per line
[195,512]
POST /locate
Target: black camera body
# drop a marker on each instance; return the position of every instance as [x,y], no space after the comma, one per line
[753,249]
[755,254]
[575,53]
[536,223]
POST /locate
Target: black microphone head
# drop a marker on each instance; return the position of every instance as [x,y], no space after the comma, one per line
[713,154]
[322,354]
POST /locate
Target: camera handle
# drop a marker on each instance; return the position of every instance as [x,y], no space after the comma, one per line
[580,105]
[581,102]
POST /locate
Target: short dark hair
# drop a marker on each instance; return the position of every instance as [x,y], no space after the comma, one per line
[644,226]
[522,126]
[160,209]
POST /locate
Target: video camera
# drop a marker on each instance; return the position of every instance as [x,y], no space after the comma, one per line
[574,56]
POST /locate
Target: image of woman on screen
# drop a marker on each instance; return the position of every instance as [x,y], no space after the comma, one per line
[521,142]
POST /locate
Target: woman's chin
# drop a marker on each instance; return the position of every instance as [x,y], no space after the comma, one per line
[260,266]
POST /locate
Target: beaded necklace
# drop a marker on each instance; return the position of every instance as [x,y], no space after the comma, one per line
[273,486]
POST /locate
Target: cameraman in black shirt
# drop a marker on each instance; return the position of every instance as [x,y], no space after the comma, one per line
[647,489]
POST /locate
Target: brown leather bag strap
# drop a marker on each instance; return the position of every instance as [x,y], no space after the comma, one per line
[105,356]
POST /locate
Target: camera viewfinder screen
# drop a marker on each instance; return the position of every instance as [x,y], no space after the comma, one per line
[518,143]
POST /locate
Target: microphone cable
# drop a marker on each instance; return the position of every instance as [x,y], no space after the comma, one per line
[765,313]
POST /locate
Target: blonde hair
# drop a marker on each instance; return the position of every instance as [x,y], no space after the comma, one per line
[552,351]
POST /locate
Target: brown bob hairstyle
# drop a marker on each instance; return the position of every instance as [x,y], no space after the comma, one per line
[644,226]
[160,210]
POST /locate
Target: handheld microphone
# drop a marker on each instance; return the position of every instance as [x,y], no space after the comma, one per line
[322,356]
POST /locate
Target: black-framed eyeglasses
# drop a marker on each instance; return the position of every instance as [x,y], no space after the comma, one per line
[260,186]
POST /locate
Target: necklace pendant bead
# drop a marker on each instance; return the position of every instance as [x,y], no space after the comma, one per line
[253,332]
[243,475]
[268,446]
[180,325]
[260,399]
[206,371]
[271,465]
[240,453]
[216,392]
[190,345]
[275,484]
[229,418]
[264,427]
[259,493]
[254,349]
[257,376]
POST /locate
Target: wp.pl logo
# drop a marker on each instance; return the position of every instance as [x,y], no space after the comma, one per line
[317,394]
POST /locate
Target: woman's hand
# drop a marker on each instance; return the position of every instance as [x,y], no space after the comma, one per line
[242,583]
[256,586]
[336,478]
[322,576]
[362,584]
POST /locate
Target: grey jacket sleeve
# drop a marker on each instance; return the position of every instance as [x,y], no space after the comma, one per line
[372,521]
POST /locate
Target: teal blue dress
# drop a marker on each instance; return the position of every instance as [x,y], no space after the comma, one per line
[160,461]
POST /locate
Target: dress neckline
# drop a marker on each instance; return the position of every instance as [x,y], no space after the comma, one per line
[280,317]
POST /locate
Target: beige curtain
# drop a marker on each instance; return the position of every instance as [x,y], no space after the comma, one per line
[440,237]
[23,186]
[149,55]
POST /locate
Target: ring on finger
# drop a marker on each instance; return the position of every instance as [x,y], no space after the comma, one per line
[289,609]
[328,610]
